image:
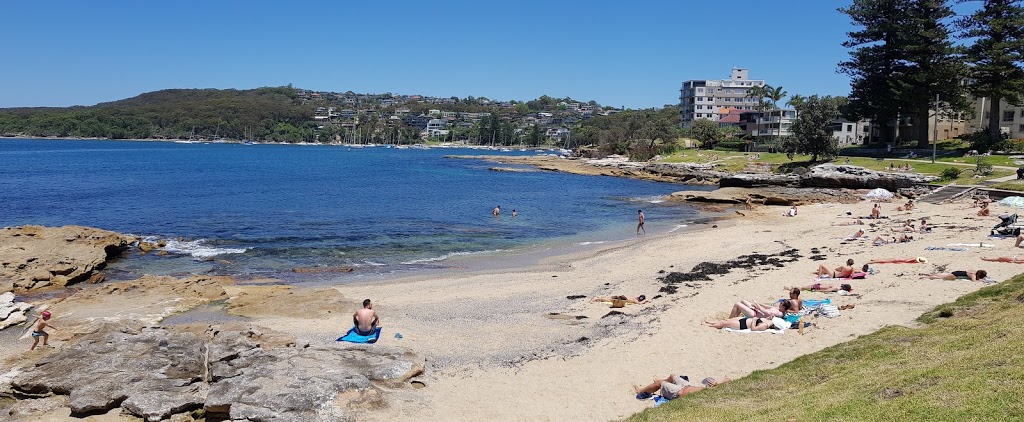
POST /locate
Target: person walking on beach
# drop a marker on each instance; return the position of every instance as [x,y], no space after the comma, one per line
[497,210]
[38,330]
[365,319]
[640,224]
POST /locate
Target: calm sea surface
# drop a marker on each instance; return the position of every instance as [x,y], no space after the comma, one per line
[262,210]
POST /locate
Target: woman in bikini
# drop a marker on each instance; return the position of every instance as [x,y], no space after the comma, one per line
[973,275]
[879,241]
[742,323]
[1011,259]
[839,272]
[826,288]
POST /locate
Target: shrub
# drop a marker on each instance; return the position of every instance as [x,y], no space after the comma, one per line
[982,168]
[950,173]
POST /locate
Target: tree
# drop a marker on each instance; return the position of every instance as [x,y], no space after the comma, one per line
[775,93]
[812,130]
[705,131]
[901,56]
[996,56]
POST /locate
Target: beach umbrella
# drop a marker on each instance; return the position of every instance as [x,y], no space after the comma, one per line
[1013,201]
[879,194]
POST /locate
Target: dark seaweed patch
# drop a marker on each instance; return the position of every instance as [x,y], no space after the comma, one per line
[704,270]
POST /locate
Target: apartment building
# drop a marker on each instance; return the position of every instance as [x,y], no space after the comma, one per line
[1011,119]
[767,124]
[712,99]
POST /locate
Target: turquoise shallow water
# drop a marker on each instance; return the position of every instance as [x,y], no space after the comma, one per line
[263,209]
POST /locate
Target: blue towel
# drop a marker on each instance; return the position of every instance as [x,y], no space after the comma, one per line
[353,337]
[659,400]
[814,303]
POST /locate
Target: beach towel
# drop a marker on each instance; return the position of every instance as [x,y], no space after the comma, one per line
[942,248]
[353,337]
[982,245]
[747,331]
[814,303]
[659,400]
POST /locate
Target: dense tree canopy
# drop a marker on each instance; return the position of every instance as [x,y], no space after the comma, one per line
[996,57]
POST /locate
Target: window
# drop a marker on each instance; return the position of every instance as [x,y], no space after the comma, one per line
[849,128]
[1021,128]
[700,90]
[1008,116]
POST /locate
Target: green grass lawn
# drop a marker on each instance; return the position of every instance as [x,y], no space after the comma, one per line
[963,363]
[966,176]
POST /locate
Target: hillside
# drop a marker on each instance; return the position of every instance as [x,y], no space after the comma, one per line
[963,363]
[271,113]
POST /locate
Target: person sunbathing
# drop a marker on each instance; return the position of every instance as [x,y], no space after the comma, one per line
[909,206]
[925,228]
[639,300]
[975,275]
[1020,238]
[843,271]
[876,211]
[826,288]
[857,235]
[1012,259]
[879,241]
[675,387]
[858,222]
[752,309]
[742,323]
[918,260]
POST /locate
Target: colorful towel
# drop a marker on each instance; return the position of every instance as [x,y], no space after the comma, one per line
[354,337]
[983,245]
[814,303]
[942,248]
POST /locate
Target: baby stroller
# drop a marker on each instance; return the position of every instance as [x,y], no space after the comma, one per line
[1006,220]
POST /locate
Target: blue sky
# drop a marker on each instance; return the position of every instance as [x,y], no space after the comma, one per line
[633,54]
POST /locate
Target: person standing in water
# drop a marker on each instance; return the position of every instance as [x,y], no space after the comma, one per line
[497,210]
[515,214]
[640,224]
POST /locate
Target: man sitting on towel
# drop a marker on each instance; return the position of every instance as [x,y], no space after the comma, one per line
[365,319]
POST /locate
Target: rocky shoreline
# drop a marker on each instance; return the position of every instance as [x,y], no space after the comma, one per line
[114,354]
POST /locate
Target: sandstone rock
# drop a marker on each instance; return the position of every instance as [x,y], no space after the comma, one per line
[769,196]
[15,318]
[146,247]
[829,176]
[154,373]
[33,408]
[37,256]
[7,297]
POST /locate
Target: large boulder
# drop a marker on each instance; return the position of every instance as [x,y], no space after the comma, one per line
[241,374]
[11,312]
[32,257]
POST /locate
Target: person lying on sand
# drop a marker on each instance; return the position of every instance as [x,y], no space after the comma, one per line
[879,241]
[840,271]
[639,300]
[1011,259]
[918,260]
[973,275]
[824,287]
[857,235]
[742,323]
[675,387]
[857,222]
[907,227]
[752,309]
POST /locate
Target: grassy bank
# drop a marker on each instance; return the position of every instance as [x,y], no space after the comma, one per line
[962,363]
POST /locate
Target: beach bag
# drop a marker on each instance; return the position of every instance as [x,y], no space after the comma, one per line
[828,311]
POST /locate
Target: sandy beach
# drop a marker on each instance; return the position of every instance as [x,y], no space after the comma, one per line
[496,353]
[528,344]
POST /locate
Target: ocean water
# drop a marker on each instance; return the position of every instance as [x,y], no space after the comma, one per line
[262,210]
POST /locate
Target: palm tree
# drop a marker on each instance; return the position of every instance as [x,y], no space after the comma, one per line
[758,93]
[796,101]
[775,94]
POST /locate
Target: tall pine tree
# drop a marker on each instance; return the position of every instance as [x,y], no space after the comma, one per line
[997,55]
[901,57]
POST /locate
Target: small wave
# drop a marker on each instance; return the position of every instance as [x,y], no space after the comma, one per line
[197,248]
[447,256]
[656,199]
[677,227]
[595,242]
